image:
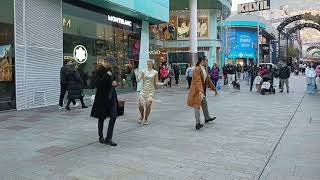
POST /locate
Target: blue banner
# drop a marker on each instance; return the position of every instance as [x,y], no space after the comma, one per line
[242,43]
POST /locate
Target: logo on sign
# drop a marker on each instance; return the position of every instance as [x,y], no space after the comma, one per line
[254,6]
[119,20]
[80,54]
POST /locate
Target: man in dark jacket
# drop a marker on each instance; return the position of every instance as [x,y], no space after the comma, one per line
[106,101]
[74,86]
[63,83]
[176,73]
[284,75]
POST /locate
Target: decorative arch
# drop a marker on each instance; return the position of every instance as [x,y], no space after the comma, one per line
[301,26]
[289,20]
[316,52]
[312,48]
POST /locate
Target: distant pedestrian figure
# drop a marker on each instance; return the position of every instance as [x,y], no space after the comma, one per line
[74,86]
[189,73]
[284,75]
[64,83]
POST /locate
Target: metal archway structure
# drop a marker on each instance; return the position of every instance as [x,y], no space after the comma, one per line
[289,20]
[316,52]
[312,48]
[302,26]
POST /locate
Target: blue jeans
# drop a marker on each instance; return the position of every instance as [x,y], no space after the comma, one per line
[311,85]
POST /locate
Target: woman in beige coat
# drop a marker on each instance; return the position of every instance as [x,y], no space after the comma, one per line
[196,96]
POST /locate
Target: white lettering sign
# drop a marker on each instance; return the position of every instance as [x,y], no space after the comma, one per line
[119,20]
[254,6]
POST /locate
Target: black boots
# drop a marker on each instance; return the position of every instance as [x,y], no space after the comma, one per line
[199,126]
[110,142]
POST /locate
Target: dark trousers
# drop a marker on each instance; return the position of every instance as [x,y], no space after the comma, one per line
[177,79]
[112,121]
[225,81]
[63,92]
[134,84]
[189,81]
[215,81]
[251,82]
[74,102]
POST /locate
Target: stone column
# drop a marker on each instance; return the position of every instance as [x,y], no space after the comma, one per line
[213,36]
[193,31]
[144,50]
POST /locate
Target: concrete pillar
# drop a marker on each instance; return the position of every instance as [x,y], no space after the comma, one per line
[213,35]
[193,31]
[144,50]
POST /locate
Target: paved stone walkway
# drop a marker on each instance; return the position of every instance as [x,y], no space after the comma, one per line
[254,137]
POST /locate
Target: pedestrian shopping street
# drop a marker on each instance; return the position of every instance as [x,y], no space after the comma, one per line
[254,137]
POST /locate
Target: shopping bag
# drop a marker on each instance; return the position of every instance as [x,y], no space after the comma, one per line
[121,107]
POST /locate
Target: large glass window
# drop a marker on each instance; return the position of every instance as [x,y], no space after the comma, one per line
[100,37]
[7,73]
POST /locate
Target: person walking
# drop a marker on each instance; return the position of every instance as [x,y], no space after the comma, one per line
[253,73]
[311,79]
[64,83]
[164,74]
[176,69]
[239,71]
[197,92]
[133,77]
[189,72]
[106,102]
[284,75]
[225,75]
[146,97]
[214,74]
[171,74]
[74,86]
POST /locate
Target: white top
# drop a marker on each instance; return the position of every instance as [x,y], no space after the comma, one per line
[204,72]
[311,73]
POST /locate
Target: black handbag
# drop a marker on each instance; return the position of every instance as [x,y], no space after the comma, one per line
[121,108]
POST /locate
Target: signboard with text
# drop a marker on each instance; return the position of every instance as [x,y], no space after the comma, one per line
[254,6]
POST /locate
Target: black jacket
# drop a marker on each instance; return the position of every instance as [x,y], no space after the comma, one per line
[101,108]
[284,72]
[73,84]
[63,74]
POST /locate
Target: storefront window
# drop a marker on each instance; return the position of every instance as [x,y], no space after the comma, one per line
[7,78]
[101,35]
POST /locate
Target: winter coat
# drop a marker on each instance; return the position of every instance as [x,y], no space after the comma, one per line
[101,107]
[163,72]
[63,74]
[74,84]
[284,72]
[198,84]
[214,73]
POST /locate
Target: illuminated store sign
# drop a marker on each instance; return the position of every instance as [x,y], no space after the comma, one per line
[66,22]
[254,6]
[119,20]
[80,54]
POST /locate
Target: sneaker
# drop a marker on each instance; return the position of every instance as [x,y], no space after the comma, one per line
[76,105]
[210,119]
[281,91]
[287,91]
[199,126]
[60,107]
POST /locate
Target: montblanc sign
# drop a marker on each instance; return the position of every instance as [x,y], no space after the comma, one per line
[119,20]
[254,6]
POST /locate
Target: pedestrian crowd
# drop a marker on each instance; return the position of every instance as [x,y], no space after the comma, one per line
[200,77]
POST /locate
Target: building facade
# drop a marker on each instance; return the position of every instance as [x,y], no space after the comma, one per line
[247,38]
[37,36]
[194,28]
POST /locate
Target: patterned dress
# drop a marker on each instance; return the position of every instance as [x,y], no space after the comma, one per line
[148,88]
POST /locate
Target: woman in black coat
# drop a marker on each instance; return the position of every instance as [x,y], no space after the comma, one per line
[105,103]
[74,86]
